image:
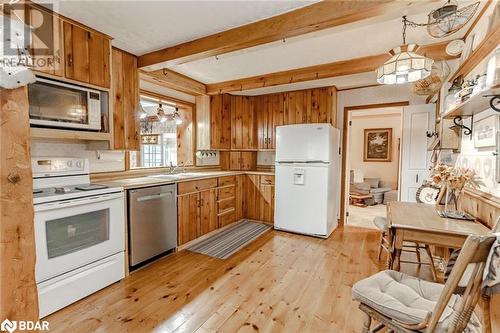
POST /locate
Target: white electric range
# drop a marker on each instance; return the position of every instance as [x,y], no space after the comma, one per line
[79,232]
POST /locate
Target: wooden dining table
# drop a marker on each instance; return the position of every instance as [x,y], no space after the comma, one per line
[421,223]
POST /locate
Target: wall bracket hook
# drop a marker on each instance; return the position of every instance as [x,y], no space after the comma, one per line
[458,123]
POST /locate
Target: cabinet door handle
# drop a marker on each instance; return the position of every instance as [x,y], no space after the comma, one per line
[416,178]
[70,60]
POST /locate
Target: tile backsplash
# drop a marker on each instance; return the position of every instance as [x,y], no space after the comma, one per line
[265,157]
[100,158]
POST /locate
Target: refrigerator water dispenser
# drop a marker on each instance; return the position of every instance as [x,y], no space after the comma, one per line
[299,176]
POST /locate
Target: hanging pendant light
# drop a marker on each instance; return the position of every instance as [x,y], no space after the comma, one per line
[177,117]
[160,113]
[405,65]
[449,18]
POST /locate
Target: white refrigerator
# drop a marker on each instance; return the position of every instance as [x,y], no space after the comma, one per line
[307,175]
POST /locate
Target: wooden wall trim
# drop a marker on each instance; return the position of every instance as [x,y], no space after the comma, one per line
[18,292]
[339,68]
[315,17]
[347,109]
[478,18]
[173,80]
[177,101]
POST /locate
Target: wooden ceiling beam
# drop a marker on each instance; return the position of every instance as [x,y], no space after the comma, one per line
[334,69]
[315,17]
[173,80]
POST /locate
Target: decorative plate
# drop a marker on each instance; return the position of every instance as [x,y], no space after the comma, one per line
[455,47]
[427,194]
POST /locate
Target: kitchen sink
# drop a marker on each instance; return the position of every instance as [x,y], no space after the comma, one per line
[175,176]
[172,177]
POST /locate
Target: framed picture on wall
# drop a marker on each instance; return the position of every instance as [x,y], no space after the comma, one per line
[485,132]
[377,145]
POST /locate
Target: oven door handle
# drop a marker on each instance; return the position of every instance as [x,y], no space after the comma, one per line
[78,201]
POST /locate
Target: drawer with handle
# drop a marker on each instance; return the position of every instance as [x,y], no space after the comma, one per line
[196,185]
[227,218]
[226,192]
[223,205]
[267,180]
[227,180]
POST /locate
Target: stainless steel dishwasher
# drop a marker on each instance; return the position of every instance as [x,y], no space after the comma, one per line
[152,222]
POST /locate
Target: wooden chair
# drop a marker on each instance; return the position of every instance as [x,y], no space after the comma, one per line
[456,310]
[385,244]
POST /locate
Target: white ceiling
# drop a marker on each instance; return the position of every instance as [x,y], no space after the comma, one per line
[347,42]
[141,26]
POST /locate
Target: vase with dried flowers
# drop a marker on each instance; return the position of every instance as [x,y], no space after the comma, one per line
[454,180]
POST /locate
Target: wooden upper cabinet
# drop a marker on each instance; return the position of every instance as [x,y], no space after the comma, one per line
[213,117]
[270,110]
[243,123]
[242,160]
[125,100]
[48,58]
[87,55]
[262,113]
[311,106]
[220,122]
[99,55]
[297,105]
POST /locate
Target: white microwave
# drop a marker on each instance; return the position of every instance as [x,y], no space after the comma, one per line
[62,105]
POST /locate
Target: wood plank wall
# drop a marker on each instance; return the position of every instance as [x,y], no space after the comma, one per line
[18,294]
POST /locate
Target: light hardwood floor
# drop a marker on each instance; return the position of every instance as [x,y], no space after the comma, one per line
[280,283]
[363,216]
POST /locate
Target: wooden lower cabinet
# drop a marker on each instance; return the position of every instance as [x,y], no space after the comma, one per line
[209,204]
[188,212]
[197,215]
[258,199]
[208,213]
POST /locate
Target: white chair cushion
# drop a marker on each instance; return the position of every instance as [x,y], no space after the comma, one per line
[381,223]
[405,298]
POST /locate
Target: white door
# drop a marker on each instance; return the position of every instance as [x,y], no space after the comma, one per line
[415,159]
[301,198]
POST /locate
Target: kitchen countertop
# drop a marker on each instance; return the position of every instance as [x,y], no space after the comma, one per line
[153,180]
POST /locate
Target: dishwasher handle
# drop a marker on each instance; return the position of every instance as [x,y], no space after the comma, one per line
[154,196]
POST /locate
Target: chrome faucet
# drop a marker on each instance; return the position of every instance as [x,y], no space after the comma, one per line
[183,167]
[172,168]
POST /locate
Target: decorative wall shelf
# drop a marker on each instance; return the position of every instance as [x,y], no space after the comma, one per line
[60,134]
[487,45]
[473,105]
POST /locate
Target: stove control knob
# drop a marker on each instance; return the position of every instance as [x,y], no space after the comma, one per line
[70,164]
[79,164]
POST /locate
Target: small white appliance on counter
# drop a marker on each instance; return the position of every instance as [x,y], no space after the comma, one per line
[307,172]
[79,232]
